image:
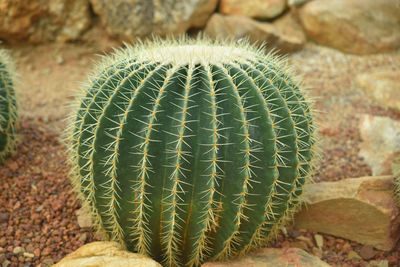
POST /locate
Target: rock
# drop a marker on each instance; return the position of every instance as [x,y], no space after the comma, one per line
[46,251]
[292,3]
[261,9]
[367,252]
[299,244]
[353,255]
[40,208]
[18,250]
[319,240]
[83,217]
[4,217]
[353,26]
[306,240]
[110,254]
[382,263]
[12,165]
[380,144]
[276,35]
[28,255]
[39,21]
[83,237]
[30,248]
[59,60]
[382,87]
[316,252]
[276,257]
[6,263]
[292,36]
[360,209]
[47,262]
[129,19]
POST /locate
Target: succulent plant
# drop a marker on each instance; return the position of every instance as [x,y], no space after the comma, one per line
[8,106]
[190,150]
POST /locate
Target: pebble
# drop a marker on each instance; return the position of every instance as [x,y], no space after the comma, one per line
[382,263]
[4,217]
[367,252]
[28,255]
[317,252]
[83,237]
[319,240]
[46,251]
[353,255]
[13,166]
[83,217]
[59,60]
[40,208]
[36,252]
[48,262]
[6,263]
[294,233]
[306,240]
[18,250]
[29,248]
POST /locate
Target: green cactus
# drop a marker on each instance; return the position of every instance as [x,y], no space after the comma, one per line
[8,106]
[191,150]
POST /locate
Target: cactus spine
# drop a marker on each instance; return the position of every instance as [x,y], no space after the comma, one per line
[8,106]
[190,150]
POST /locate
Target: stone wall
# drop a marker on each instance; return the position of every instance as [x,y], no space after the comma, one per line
[353,26]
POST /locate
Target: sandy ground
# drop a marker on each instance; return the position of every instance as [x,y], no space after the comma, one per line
[37,208]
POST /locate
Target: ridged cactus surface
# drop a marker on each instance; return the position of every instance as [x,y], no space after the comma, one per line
[191,150]
[8,106]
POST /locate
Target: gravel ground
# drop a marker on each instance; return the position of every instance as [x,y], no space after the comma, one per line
[38,224]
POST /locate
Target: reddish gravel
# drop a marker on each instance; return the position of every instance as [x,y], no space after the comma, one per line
[37,207]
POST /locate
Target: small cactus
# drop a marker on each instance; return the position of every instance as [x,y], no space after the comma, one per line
[191,150]
[8,106]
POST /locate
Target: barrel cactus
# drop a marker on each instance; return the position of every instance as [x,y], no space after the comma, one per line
[191,150]
[8,106]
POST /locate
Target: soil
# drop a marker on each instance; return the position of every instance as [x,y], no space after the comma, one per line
[37,206]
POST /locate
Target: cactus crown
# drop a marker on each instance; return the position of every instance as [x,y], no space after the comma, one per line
[189,150]
[8,106]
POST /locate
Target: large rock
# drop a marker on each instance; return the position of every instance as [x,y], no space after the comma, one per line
[294,3]
[284,35]
[360,209]
[291,34]
[273,257]
[128,19]
[261,9]
[382,87]
[353,26]
[39,21]
[380,143]
[100,254]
